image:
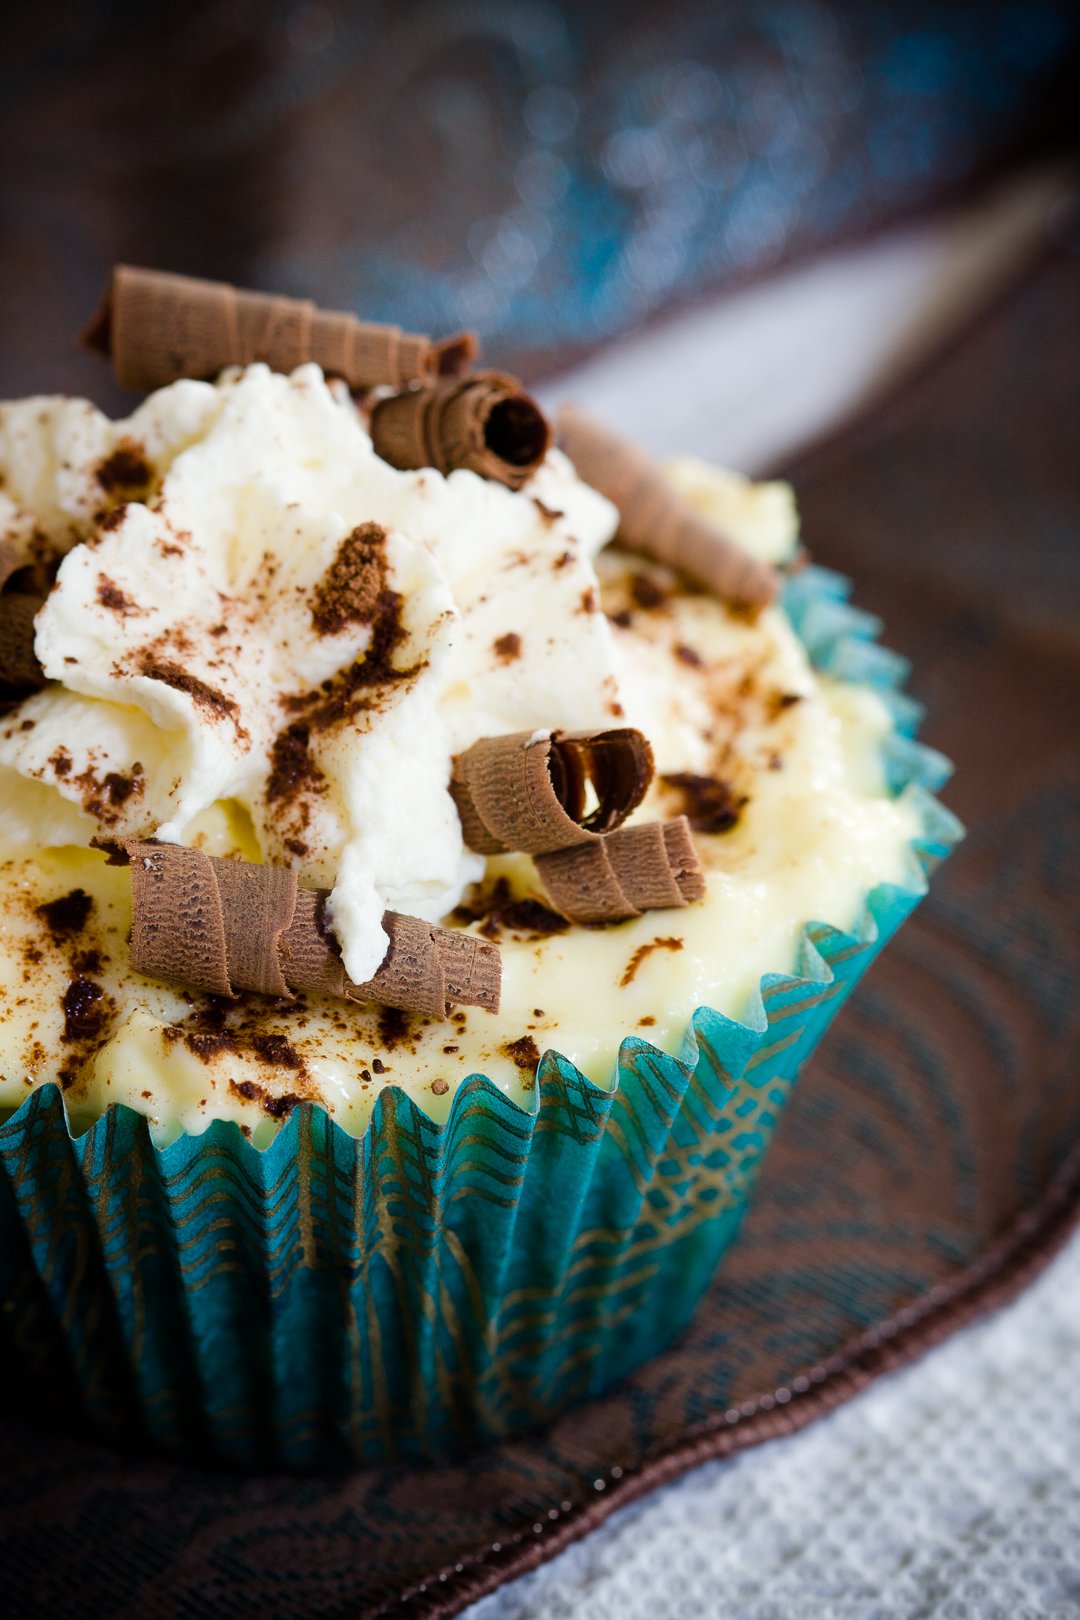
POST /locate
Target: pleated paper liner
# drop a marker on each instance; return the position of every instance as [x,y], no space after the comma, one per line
[426,1288]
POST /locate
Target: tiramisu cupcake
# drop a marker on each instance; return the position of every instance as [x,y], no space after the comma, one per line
[428,855]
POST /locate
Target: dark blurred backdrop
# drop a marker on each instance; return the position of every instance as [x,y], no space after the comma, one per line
[551,173]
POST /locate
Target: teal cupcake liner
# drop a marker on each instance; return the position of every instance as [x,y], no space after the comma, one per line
[425,1288]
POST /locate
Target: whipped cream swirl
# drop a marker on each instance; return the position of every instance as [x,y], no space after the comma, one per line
[253,607]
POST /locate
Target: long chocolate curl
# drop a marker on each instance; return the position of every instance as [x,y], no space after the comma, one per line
[649,867]
[157,327]
[484,422]
[221,926]
[517,792]
[20,670]
[656,519]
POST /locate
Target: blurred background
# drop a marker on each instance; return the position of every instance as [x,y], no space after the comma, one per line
[554,174]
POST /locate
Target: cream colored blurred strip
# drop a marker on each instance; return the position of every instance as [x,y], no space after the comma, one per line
[764,371]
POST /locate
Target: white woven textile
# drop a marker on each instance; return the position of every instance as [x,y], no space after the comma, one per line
[947,1491]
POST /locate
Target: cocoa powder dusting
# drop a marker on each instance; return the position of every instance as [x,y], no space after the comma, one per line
[277,1107]
[350,590]
[66,916]
[112,597]
[352,691]
[292,769]
[104,797]
[393,1027]
[643,952]
[708,803]
[507,648]
[86,1011]
[498,911]
[524,1052]
[125,469]
[783,700]
[645,591]
[205,697]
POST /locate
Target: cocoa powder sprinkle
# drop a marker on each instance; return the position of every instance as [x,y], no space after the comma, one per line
[524,1052]
[112,597]
[86,1011]
[643,952]
[125,469]
[67,915]
[350,591]
[204,696]
[708,802]
[508,647]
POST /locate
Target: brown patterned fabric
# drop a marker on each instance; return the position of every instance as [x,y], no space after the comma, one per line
[550,172]
[928,1162]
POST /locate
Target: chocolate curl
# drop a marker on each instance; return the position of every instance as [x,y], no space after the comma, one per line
[157,327]
[221,926]
[526,793]
[14,554]
[651,867]
[484,422]
[657,864]
[19,667]
[437,967]
[582,884]
[654,518]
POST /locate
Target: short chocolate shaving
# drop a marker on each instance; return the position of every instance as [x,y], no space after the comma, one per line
[157,327]
[655,519]
[484,422]
[14,554]
[518,792]
[222,926]
[20,670]
[650,867]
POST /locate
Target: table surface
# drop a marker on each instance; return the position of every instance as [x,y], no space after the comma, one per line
[951,1490]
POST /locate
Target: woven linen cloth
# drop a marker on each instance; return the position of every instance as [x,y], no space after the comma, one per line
[949,1491]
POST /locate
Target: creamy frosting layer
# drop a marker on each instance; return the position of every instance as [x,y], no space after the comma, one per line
[243,547]
[241,501]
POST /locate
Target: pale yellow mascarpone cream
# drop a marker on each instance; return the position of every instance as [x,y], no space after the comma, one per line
[783,763]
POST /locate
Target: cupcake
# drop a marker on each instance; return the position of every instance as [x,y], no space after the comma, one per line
[428,856]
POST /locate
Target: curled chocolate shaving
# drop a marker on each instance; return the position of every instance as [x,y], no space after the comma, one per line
[20,670]
[14,554]
[157,327]
[484,422]
[655,519]
[657,864]
[531,793]
[222,926]
[650,867]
